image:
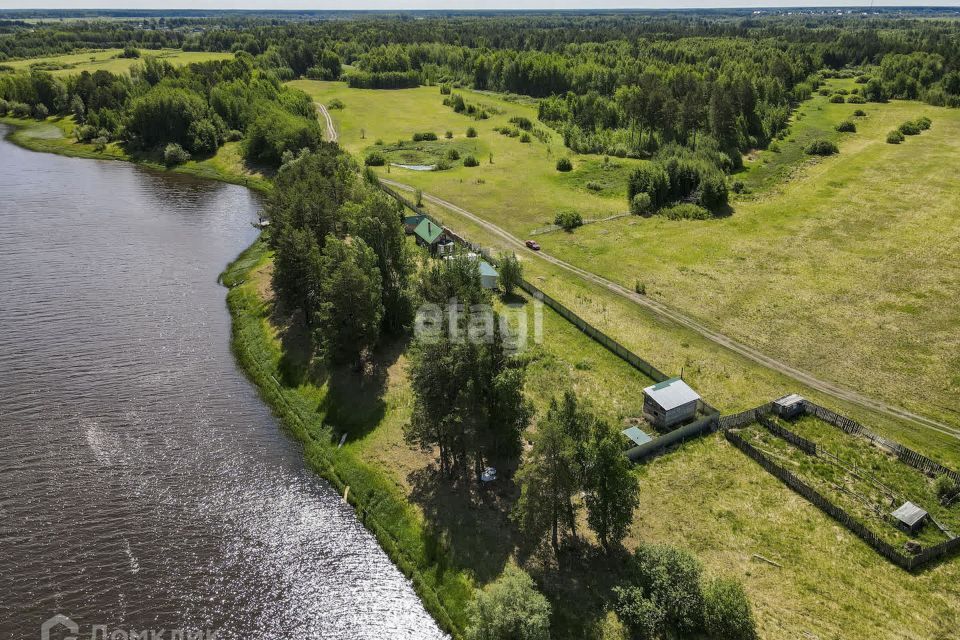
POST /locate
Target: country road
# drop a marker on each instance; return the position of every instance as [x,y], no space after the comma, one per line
[804,377]
[331,130]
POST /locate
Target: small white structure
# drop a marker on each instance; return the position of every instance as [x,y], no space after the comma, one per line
[669,403]
[488,275]
[910,517]
[789,406]
[489,474]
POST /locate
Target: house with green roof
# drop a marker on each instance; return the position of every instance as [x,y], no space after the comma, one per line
[429,234]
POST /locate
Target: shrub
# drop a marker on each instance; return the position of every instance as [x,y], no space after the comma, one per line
[837,99]
[774,147]
[40,111]
[671,578]
[426,135]
[525,137]
[847,126]
[471,161]
[205,137]
[894,137]
[686,211]
[593,186]
[509,608]
[923,122]
[4,107]
[821,147]
[945,487]
[471,132]
[375,159]
[522,122]
[442,165]
[652,180]
[453,154]
[738,186]
[824,92]
[859,113]
[909,129]
[448,135]
[711,192]
[444,89]
[856,99]
[564,164]
[726,611]
[568,220]
[641,615]
[174,154]
[130,52]
[336,103]
[100,143]
[641,204]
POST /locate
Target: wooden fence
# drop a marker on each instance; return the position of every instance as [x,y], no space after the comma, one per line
[884,548]
[807,446]
[907,456]
[736,420]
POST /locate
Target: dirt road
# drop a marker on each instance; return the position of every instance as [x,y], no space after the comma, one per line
[808,379]
[331,135]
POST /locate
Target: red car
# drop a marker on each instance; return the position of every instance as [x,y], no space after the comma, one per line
[533,244]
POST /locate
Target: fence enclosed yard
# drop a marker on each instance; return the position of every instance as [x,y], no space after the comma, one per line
[852,475]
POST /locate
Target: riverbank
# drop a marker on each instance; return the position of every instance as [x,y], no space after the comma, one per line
[379,503]
[55,135]
[381,507]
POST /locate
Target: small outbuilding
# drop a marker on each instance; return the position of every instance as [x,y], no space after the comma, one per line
[668,403]
[410,223]
[789,406]
[489,277]
[637,436]
[429,234]
[910,518]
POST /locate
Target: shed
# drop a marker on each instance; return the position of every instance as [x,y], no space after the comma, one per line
[910,517]
[428,233]
[668,403]
[638,436]
[488,275]
[789,406]
[410,222]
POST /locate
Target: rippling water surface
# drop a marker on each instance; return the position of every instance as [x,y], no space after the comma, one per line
[143,484]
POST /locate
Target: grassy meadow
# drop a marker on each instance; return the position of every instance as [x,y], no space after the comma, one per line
[842,266]
[110,60]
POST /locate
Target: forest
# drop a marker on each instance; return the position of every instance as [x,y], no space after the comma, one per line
[692,93]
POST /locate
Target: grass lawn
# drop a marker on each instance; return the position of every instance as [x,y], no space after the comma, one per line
[845,269]
[110,60]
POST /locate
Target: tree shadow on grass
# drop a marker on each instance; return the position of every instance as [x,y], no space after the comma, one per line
[354,402]
[578,583]
[472,522]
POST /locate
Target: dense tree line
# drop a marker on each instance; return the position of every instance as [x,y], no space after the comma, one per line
[197,107]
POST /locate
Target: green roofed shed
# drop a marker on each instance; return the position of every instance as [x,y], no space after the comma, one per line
[428,232]
[638,436]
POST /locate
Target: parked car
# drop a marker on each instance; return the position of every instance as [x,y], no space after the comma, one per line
[533,244]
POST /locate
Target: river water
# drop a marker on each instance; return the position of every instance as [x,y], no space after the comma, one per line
[143,484]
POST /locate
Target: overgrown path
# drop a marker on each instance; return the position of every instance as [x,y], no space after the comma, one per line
[808,379]
[824,386]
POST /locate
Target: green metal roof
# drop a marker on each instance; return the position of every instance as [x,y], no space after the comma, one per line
[638,436]
[428,231]
[487,270]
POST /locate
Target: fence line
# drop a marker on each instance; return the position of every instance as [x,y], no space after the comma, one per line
[744,418]
[706,424]
[907,456]
[884,548]
[807,446]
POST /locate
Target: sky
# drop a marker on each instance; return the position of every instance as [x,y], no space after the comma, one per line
[453,4]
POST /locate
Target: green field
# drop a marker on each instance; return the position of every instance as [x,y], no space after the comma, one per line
[842,266]
[110,60]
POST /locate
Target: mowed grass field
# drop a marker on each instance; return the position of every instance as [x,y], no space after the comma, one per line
[110,60]
[843,266]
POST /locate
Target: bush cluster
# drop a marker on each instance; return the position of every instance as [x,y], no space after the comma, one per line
[894,137]
[174,154]
[568,220]
[471,161]
[471,132]
[564,165]
[667,595]
[375,159]
[425,135]
[821,147]
[686,211]
[847,126]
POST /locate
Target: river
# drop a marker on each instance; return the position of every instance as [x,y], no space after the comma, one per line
[144,483]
